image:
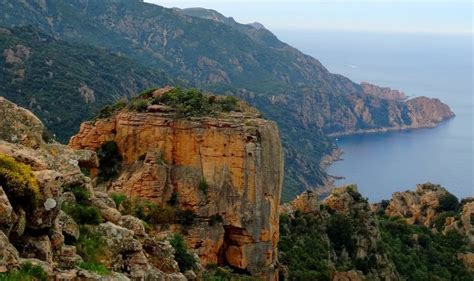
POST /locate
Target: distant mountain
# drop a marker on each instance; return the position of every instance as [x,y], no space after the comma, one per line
[205,49]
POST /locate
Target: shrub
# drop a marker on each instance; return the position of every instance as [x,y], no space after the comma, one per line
[90,246]
[94,267]
[80,192]
[441,219]
[139,105]
[118,198]
[83,214]
[145,94]
[185,260]
[149,212]
[18,180]
[110,160]
[203,186]
[340,232]
[229,103]
[109,110]
[27,272]
[448,202]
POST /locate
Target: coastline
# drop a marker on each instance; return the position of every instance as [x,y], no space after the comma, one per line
[390,129]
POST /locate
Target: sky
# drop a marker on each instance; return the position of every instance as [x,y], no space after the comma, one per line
[421,16]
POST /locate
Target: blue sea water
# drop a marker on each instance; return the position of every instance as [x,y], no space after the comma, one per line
[419,64]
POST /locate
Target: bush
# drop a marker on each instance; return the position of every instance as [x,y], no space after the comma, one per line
[340,232]
[109,110]
[18,180]
[215,219]
[203,186]
[118,198]
[80,192]
[90,246]
[448,202]
[94,267]
[149,212]
[27,272]
[83,214]
[185,260]
[441,219]
[110,160]
[139,105]
[229,103]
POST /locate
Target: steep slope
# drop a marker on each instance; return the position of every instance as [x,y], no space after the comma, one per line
[219,54]
[223,167]
[64,83]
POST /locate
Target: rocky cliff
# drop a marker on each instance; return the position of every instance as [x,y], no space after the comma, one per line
[228,167]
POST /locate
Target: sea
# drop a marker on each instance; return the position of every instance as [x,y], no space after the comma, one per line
[433,65]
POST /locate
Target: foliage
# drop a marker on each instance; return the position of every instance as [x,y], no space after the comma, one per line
[94,267]
[83,214]
[303,248]
[118,198]
[27,272]
[340,231]
[441,219]
[448,202]
[18,180]
[428,257]
[185,260]
[149,212]
[138,104]
[80,192]
[216,273]
[110,160]
[109,110]
[91,247]
[203,186]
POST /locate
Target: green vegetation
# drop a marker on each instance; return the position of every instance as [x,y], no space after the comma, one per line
[94,267]
[110,161]
[109,110]
[340,231]
[419,254]
[154,214]
[303,247]
[185,260]
[118,198]
[192,102]
[57,70]
[90,246]
[18,181]
[216,273]
[448,202]
[27,272]
[82,212]
[203,186]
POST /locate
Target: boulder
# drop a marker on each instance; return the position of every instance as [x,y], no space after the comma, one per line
[6,212]
[9,257]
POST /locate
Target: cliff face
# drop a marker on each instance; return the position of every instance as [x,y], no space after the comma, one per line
[229,167]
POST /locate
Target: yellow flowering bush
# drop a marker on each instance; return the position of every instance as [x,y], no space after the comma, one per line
[17,179]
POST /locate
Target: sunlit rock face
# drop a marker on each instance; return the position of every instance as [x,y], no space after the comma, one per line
[228,171]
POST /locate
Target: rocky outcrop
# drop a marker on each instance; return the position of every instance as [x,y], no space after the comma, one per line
[346,210]
[228,167]
[417,207]
[306,202]
[39,232]
[382,92]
